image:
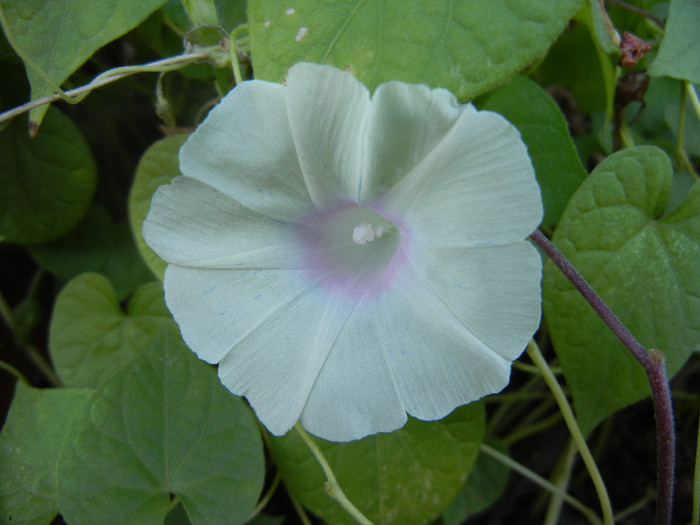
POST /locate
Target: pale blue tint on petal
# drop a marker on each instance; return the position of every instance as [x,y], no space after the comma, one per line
[192,224]
[437,362]
[354,395]
[494,291]
[217,308]
[407,122]
[270,331]
[276,364]
[244,149]
[476,187]
[328,113]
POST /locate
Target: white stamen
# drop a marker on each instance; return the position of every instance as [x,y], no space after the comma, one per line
[363,233]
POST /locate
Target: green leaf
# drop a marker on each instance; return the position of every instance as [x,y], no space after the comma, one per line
[591,15]
[576,63]
[265,519]
[158,166]
[47,182]
[91,338]
[679,54]
[164,426]
[601,26]
[30,444]
[407,476]
[96,245]
[544,130]
[466,47]
[485,484]
[177,516]
[201,11]
[659,124]
[229,13]
[55,38]
[644,266]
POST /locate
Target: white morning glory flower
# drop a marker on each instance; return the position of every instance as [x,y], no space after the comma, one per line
[347,259]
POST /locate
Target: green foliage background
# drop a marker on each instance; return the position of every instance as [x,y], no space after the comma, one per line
[115,421]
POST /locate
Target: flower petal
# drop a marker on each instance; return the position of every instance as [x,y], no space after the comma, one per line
[270,331]
[245,149]
[328,114]
[437,362]
[407,122]
[476,187]
[354,394]
[347,316]
[276,365]
[192,224]
[493,290]
[217,308]
[429,344]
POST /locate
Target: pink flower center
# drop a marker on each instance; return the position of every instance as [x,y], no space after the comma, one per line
[353,251]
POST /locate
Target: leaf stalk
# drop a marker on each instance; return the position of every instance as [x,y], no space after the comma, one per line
[655,367]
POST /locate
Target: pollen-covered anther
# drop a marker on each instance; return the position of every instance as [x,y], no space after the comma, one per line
[365,232]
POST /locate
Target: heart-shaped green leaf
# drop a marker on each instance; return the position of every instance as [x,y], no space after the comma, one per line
[679,55]
[96,245]
[225,13]
[544,131]
[91,338]
[164,426]
[158,166]
[643,265]
[467,47]
[485,484]
[47,182]
[55,38]
[30,444]
[577,64]
[407,476]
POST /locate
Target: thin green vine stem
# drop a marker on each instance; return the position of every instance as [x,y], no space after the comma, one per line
[43,365]
[33,353]
[107,77]
[233,52]
[507,411]
[535,428]
[10,36]
[639,11]
[533,370]
[681,154]
[689,91]
[332,487]
[654,365]
[542,482]
[266,498]
[696,481]
[534,353]
[693,96]
[12,370]
[508,397]
[300,510]
[6,313]
[528,369]
[561,478]
[625,136]
[637,506]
